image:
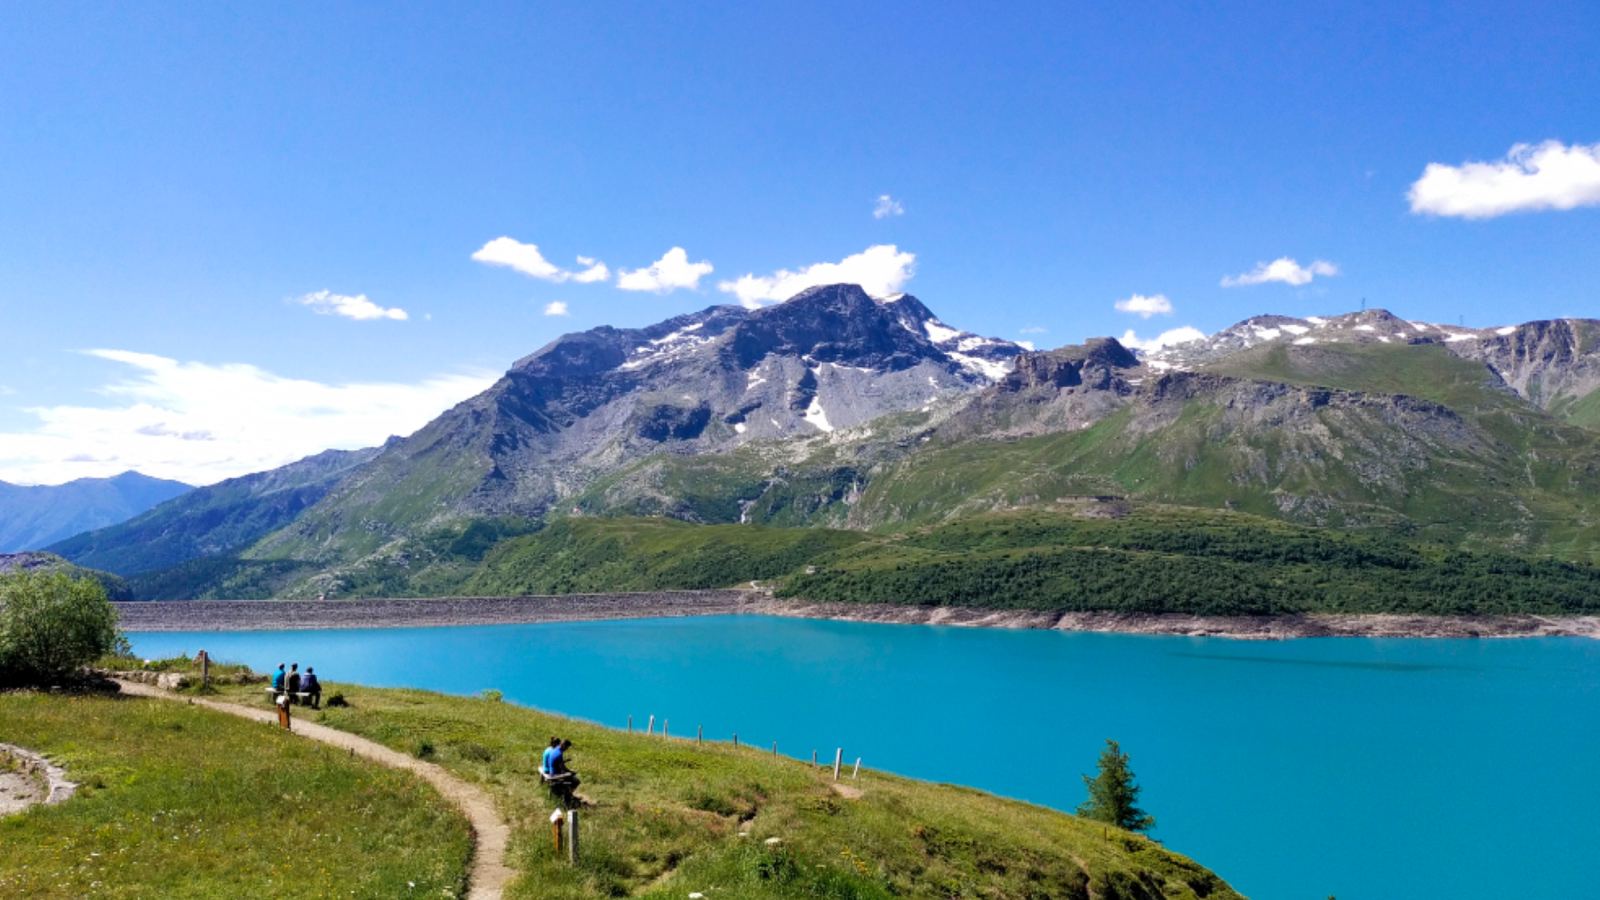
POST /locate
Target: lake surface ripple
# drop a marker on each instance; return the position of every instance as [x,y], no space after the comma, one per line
[1365,768]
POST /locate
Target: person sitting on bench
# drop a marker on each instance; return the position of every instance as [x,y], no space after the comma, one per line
[277,681]
[294,682]
[312,688]
[561,780]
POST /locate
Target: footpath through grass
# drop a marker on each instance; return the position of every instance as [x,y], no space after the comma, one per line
[673,818]
[184,803]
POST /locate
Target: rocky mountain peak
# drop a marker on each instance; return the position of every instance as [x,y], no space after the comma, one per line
[1096,363]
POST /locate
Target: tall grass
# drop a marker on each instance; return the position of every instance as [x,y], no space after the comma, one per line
[181,802]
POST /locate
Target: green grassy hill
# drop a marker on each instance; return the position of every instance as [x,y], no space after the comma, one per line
[181,802]
[672,817]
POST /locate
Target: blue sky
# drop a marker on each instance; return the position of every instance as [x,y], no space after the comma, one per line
[179,182]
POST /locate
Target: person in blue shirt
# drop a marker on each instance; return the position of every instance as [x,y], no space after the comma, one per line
[551,754]
[562,781]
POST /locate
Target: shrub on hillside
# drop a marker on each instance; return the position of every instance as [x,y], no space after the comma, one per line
[51,625]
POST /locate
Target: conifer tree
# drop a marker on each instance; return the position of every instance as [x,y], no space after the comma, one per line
[1112,793]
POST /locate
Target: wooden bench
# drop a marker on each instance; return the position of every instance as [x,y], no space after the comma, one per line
[560,790]
[300,697]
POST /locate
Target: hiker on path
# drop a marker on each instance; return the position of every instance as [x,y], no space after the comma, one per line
[312,688]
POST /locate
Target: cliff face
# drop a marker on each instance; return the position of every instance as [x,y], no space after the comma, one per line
[1552,364]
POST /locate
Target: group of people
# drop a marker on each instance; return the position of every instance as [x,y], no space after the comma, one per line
[291,684]
[561,779]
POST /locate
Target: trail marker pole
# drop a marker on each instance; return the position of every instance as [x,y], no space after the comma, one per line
[774,748]
[663,727]
[572,836]
[858,769]
[838,757]
[813,757]
[630,724]
[205,669]
[556,821]
[650,727]
[700,734]
[736,738]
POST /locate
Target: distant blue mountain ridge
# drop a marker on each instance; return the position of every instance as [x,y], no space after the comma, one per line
[33,517]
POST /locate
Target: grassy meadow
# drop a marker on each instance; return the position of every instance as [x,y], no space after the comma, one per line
[181,803]
[671,817]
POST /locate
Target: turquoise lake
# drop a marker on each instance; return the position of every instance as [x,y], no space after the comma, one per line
[1364,768]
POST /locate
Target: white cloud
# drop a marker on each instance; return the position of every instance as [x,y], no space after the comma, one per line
[1550,175]
[556,308]
[1032,329]
[594,270]
[1146,307]
[526,258]
[1164,339]
[200,423]
[880,270]
[887,206]
[1282,269]
[358,307]
[670,272]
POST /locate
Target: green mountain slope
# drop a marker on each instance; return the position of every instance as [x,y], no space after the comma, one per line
[35,517]
[1311,435]
[589,555]
[214,520]
[33,560]
[1078,556]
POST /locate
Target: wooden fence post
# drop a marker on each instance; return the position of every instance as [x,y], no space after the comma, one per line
[858,768]
[838,757]
[572,836]
[700,735]
[556,821]
[650,727]
[736,738]
[630,724]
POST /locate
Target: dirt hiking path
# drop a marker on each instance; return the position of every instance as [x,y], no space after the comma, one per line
[487,875]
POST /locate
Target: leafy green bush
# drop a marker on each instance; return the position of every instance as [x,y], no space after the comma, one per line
[52,624]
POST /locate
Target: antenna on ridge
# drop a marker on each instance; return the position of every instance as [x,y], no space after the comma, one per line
[1363,304]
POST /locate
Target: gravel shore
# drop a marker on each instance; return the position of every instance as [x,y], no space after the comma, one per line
[269,615]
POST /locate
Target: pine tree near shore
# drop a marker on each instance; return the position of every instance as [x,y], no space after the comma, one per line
[1113,793]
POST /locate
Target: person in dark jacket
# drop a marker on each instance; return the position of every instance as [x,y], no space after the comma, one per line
[294,682]
[310,686]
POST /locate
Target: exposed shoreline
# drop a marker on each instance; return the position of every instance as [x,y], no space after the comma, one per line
[279,615]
